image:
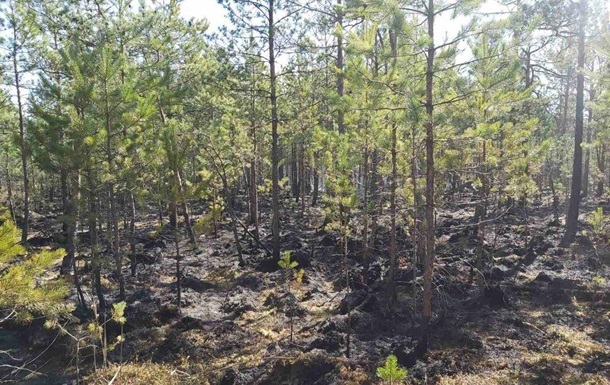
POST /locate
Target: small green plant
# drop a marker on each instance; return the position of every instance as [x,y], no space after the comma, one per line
[288,266]
[391,373]
[285,262]
[599,222]
[97,331]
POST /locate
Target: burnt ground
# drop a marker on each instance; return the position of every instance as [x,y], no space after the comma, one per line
[541,316]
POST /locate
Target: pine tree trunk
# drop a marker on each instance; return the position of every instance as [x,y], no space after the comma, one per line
[294,173]
[391,285]
[116,247]
[173,216]
[275,158]
[67,232]
[365,204]
[96,265]
[316,187]
[566,104]
[340,75]
[185,208]
[24,157]
[601,166]
[484,194]
[415,232]
[132,233]
[253,197]
[9,189]
[429,257]
[178,271]
[374,198]
[302,184]
[585,178]
[575,191]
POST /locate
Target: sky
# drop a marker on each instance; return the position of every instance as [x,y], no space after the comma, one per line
[216,15]
[446,27]
[213,12]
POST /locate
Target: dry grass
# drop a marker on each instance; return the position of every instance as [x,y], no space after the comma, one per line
[513,378]
[574,343]
[495,378]
[143,373]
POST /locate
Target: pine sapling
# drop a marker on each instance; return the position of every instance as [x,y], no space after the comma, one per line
[391,373]
[288,266]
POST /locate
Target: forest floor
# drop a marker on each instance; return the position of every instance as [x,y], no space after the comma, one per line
[541,317]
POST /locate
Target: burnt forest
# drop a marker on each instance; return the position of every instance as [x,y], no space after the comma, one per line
[305,192]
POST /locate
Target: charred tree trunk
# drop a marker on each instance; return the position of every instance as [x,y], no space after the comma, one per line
[429,257]
[575,191]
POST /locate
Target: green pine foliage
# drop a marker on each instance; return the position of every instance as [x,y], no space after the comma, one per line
[391,372]
[24,290]
[285,262]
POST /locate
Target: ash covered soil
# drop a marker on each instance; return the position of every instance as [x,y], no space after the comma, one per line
[536,314]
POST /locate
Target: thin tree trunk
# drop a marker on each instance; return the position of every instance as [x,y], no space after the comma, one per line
[340,75]
[116,247]
[316,187]
[74,199]
[365,203]
[302,183]
[96,266]
[585,178]
[415,234]
[185,209]
[9,189]
[253,191]
[391,285]
[482,213]
[601,166]
[294,173]
[24,156]
[275,159]
[566,104]
[374,197]
[178,271]
[575,191]
[429,257]
[132,233]
[66,263]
